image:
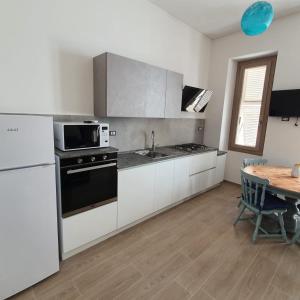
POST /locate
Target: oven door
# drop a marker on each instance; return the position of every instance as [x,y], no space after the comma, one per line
[88,186]
[81,136]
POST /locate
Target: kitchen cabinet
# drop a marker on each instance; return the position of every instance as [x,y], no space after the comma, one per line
[173,94]
[202,162]
[202,171]
[203,181]
[220,169]
[135,193]
[163,184]
[182,183]
[125,87]
[88,226]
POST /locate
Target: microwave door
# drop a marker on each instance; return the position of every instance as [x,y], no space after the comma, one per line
[95,136]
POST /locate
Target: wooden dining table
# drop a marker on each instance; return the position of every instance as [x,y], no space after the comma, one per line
[280,179]
[282,183]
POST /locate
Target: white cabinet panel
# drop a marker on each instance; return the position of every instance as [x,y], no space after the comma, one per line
[135,194]
[173,95]
[163,187]
[202,181]
[220,171]
[182,184]
[85,227]
[202,162]
[198,182]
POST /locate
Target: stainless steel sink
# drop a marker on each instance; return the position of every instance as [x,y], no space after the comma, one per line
[151,154]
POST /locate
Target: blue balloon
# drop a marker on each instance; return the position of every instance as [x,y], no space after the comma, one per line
[257,18]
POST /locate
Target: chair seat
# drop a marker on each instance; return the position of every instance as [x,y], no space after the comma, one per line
[273,203]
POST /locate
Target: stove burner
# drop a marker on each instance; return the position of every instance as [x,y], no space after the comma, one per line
[191,147]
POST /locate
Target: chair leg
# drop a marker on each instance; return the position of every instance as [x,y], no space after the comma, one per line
[295,237]
[281,222]
[240,214]
[258,221]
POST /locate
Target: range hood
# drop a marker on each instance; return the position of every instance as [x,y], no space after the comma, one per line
[195,99]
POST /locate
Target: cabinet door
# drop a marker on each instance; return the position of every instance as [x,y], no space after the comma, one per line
[134,89]
[220,171]
[163,187]
[182,184]
[199,182]
[203,181]
[173,94]
[135,194]
[203,162]
[85,227]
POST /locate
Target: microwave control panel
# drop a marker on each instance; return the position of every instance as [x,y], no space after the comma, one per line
[104,135]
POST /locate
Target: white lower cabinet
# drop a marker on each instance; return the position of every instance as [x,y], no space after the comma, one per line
[202,162]
[220,170]
[148,188]
[135,193]
[182,183]
[163,184]
[203,181]
[88,226]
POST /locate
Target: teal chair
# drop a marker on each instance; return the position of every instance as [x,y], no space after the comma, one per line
[254,162]
[296,237]
[255,199]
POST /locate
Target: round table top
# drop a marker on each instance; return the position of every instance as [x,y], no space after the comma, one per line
[279,177]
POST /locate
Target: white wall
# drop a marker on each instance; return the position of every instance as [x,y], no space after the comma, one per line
[282,144]
[46,49]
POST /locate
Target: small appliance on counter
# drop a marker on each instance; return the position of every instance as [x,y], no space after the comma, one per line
[70,136]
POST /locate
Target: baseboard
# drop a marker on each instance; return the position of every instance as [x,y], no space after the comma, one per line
[231,182]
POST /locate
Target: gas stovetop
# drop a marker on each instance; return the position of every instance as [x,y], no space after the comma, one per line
[192,147]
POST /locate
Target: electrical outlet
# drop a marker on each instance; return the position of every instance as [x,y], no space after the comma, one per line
[113,133]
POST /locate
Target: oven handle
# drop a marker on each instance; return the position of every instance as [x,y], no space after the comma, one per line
[91,168]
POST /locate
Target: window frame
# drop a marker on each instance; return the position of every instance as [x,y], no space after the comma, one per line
[270,63]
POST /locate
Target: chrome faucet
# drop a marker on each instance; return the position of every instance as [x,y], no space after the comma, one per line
[153,141]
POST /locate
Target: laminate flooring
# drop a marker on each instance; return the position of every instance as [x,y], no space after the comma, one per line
[191,251]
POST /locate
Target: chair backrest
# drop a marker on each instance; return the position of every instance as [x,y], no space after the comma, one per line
[253,190]
[254,162]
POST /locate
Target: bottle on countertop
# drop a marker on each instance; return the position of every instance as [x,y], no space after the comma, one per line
[296,170]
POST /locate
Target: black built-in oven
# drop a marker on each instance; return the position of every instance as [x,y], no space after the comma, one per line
[87,182]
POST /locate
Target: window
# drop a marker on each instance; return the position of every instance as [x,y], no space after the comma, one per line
[250,109]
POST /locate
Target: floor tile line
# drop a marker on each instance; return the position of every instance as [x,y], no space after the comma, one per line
[275,272]
[243,275]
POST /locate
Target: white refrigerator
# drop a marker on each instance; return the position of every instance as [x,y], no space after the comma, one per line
[28,209]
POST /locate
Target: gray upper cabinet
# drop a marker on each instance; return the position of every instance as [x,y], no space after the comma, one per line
[173,95]
[127,88]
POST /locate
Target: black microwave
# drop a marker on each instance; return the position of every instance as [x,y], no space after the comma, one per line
[75,136]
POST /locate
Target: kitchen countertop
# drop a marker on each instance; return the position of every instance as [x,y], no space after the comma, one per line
[84,152]
[221,152]
[131,159]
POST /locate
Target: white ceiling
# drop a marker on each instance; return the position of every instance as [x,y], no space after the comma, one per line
[217,18]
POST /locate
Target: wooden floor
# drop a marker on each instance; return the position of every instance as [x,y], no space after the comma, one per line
[189,252]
